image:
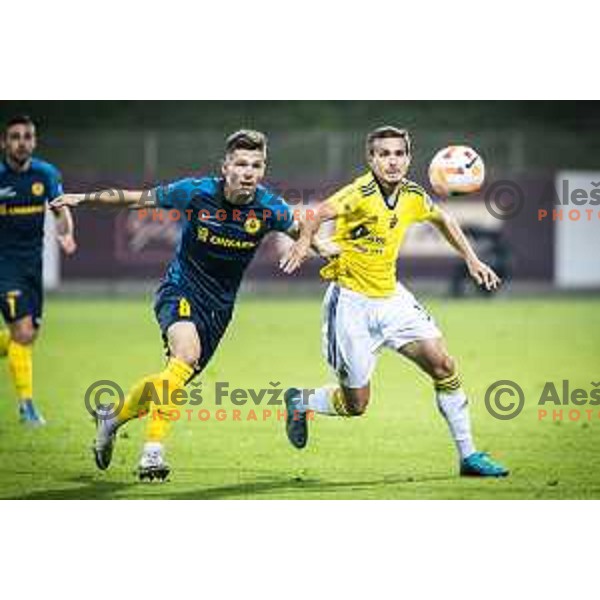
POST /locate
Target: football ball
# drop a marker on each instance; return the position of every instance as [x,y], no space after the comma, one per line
[456,170]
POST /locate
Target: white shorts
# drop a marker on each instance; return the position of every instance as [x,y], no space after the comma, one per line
[356,327]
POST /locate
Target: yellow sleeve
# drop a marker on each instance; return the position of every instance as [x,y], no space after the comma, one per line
[427,211]
[345,200]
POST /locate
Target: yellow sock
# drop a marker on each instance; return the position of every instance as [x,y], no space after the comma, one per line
[158,425]
[20,364]
[339,403]
[448,384]
[4,341]
[134,406]
[177,374]
[144,395]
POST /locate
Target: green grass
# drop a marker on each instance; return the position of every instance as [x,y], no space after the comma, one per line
[399,449]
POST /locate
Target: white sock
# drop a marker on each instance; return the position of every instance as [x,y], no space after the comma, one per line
[453,406]
[153,447]
[319,400]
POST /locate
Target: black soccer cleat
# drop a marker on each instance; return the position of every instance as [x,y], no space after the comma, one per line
[296,425]
[152,473]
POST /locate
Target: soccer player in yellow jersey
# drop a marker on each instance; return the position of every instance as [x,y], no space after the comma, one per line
[366,308]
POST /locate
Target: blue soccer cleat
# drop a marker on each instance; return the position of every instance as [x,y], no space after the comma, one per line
[28,414]
[296,426]
[481,464]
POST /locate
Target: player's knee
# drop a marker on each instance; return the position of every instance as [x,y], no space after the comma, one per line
[189,355]
[184,343]
[443,367]
[24,335]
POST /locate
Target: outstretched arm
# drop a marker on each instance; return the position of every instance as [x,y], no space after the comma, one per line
[113,197]
[451,230]
[324,247]
[307,235]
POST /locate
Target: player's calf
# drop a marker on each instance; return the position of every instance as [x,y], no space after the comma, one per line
[20,364]
[353,402]
[442,367]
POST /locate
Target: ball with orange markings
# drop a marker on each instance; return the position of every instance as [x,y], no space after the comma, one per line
[456,170]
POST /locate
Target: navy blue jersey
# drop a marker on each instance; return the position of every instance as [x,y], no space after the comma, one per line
[218,239]
[23,198]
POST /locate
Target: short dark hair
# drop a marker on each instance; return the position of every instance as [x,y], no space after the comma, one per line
[246,139]
[19,120]
[388,131]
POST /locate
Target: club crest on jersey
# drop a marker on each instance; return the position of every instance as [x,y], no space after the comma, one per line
[252,225]
[202,235]
[37,189]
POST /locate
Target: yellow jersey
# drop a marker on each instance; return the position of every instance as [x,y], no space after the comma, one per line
[370,229]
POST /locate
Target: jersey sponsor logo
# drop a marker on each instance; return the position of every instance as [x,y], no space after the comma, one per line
[37,188]
[20,210]
[206,236]
[7,192]
[252,225]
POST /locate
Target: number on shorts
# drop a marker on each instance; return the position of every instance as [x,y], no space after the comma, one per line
[185,310]
[11,300]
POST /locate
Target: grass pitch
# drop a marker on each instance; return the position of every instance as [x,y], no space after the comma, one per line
[399,449]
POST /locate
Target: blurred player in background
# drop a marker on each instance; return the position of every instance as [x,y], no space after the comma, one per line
[27,184]
[366,308]
[225,220]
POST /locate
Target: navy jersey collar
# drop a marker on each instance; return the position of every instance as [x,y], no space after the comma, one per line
[11,170]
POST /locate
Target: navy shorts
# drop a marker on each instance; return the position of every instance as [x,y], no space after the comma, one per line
[21,297]
[173,305]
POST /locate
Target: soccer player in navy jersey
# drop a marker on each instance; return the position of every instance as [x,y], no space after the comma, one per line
[224,221]
[27,184]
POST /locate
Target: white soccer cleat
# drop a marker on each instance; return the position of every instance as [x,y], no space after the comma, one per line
[152,464]
[105,440]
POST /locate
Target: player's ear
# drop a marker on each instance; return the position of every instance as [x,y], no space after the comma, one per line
[370,158]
